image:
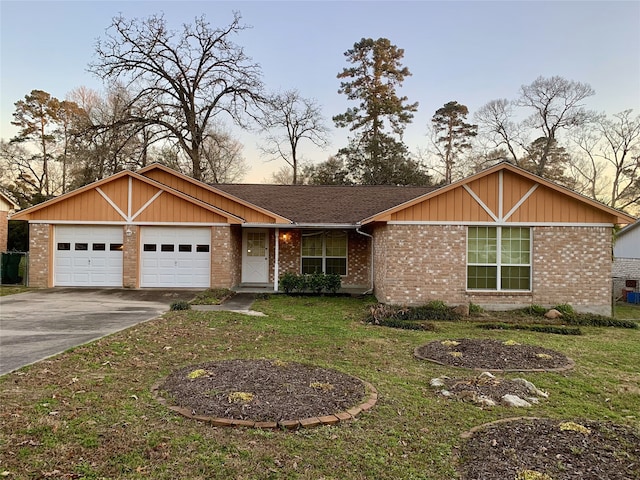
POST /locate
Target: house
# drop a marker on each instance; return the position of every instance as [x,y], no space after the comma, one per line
[6,206]
[626,263]
[501,238]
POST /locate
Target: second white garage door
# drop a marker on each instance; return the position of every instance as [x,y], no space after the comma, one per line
[175,257]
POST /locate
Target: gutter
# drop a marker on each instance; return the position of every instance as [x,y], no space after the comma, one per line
[372,258]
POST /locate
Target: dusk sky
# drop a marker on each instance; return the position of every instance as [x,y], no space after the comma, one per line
[470,52]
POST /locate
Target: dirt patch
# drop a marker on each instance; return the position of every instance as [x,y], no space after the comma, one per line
[261,390]
[545,449]
[493,355]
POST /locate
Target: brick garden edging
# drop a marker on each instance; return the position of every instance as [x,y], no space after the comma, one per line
[293,424]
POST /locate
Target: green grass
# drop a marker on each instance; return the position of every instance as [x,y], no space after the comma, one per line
[627,311]
[11,290]
[89,411]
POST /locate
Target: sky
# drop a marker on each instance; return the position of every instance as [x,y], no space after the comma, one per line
[471,52]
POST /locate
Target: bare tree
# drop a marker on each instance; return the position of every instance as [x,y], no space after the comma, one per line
[495,122]
[610,164]
[222,158]
[557,105]
[181,80]
[289,120]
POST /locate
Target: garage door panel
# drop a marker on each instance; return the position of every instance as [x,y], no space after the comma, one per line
[170,257]
[88,256]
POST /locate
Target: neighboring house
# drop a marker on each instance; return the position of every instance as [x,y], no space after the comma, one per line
[501,238]
[6,206]
[626,263]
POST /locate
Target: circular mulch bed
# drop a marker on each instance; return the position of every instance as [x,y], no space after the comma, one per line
[265,393]
[493,355]
[546,449]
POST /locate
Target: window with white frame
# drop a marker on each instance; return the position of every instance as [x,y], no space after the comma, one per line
[324,252]
[499,258]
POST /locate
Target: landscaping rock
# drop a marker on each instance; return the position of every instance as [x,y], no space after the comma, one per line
[436,382]
[462,310]
[553,314]
[514,401]
[533,390]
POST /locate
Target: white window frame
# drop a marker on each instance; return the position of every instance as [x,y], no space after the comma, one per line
[324,255]
[499,263]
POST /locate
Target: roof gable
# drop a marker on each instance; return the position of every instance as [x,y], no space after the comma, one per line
[250,212]
[126,197]
[503,194]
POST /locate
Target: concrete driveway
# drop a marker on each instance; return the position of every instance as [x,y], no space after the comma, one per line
[38,324]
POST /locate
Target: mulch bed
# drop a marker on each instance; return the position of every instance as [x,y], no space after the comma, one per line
[262,390]
[532,448]
[492,355]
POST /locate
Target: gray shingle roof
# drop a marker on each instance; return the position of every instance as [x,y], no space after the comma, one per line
[324,204]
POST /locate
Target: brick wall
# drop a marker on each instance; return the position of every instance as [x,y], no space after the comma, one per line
[130,260]
[418,263]
[625,269]
[222,257]
[358,253]
[415,264]
[4,230]
[573,265]
[39,254]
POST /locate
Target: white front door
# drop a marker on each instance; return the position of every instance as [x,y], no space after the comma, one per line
[175,257]
[87,256]
[255,256]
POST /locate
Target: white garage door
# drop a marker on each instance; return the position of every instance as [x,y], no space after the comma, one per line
[175,257]
[87,256]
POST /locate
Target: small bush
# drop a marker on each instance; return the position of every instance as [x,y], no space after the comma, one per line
[593,320]
[408,324]
[566,310]
[475,309]
[381,313]
[180,305]
[316,283]
[534,309]
[559,330]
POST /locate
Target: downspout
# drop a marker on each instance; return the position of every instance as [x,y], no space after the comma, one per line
[372,257]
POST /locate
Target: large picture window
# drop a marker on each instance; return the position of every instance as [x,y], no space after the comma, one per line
[324,252]
[499,258]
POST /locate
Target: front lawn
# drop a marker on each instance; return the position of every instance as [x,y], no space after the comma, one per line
[89,413]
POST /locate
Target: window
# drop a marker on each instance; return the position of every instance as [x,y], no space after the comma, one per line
[64,246]
[504,268]
[149,247]
[99,247]
[202,248]
[324,252]
[115,247]
[82,246]
[167,247]
[184,248]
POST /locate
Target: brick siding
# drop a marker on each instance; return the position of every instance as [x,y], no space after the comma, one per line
[130,260]
[625,269]
[4,230]
[358,254]
[39,254]
[415,264]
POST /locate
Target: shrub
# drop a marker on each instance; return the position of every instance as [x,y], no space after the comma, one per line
[180,305]
[559,330]
[534,309]
[289,282]
[566,310]
[436,310]
[408,324]
[475,309]
[593,320]
[313,283]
